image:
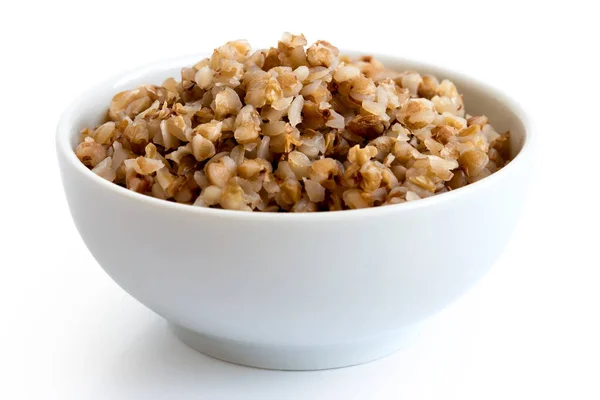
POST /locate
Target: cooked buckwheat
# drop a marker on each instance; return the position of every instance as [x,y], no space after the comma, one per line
[292,128]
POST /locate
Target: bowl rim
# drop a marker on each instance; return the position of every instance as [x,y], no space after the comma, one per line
[64,136]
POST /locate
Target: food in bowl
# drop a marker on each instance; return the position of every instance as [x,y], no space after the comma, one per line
[335,288]
[292,129]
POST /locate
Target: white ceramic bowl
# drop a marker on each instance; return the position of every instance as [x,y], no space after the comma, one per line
[296,291]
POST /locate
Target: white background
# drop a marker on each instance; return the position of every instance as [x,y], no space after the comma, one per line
[529,330]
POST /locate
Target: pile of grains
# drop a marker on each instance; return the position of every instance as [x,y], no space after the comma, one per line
[292,128]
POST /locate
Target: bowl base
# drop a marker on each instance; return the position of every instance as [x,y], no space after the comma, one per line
[296,358]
